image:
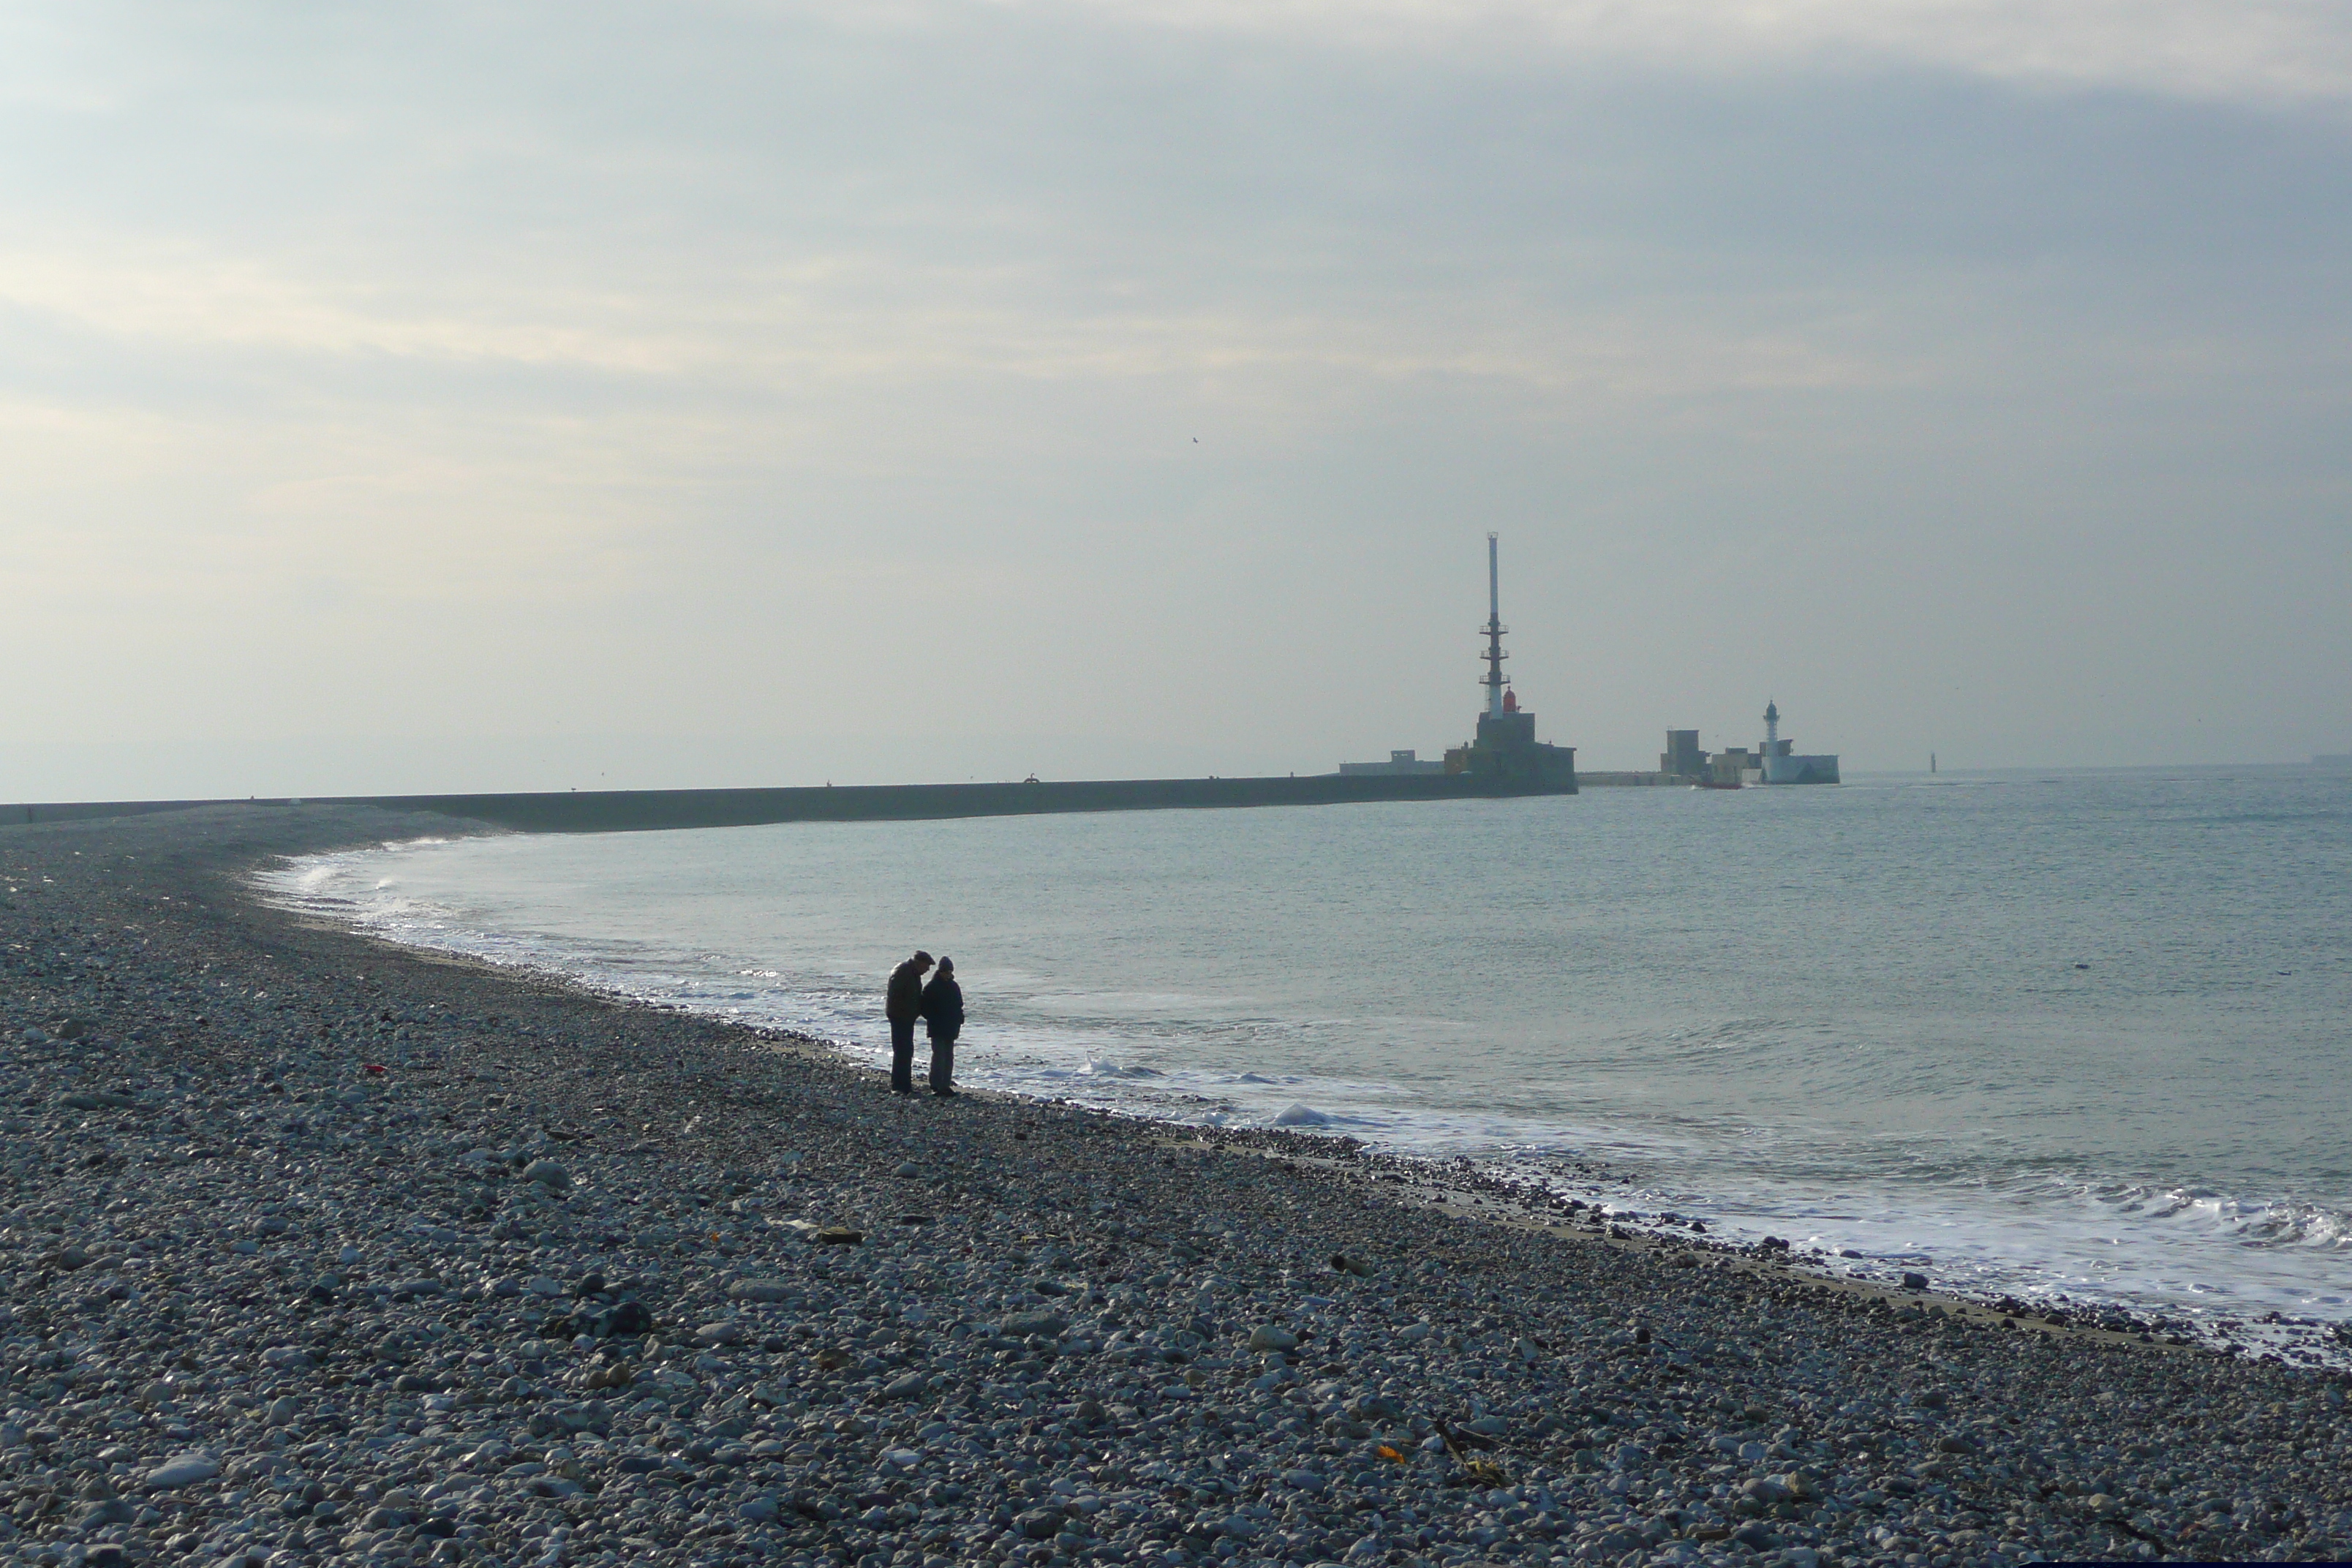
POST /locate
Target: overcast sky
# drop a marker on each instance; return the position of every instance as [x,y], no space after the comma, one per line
[538,396]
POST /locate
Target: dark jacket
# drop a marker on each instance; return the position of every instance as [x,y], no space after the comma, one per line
[943,1008]
[903,1004]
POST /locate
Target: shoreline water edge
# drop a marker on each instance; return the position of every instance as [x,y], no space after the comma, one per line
[321,1251]
[1677,1121]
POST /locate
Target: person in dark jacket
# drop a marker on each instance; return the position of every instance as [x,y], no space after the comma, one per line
[943,1018]
[902,1004]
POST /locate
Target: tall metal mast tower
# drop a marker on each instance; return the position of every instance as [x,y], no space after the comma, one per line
[1493,680]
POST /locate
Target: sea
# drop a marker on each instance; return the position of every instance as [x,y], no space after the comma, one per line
[2075,1037]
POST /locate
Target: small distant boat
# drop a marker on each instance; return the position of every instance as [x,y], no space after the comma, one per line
[1718,783]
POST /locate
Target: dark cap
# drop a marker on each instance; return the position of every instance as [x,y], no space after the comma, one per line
[946,963]
[921,957]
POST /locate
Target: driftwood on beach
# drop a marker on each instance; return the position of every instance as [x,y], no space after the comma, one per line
[317,1247]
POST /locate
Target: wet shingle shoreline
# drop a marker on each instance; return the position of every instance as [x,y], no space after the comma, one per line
[570,1281]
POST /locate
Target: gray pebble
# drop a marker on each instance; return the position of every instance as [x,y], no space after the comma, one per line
[288,1313]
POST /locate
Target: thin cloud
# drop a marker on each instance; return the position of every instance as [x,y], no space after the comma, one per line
[2245,51]
[886,321]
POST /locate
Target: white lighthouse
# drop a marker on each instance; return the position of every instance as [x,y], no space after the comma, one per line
[1771,728]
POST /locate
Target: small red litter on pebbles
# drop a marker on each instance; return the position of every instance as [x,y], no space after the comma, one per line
[376,1068]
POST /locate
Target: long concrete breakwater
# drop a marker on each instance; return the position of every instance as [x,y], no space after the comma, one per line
[625,810]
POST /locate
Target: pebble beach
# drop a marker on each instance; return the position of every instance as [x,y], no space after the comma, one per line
[317,1251]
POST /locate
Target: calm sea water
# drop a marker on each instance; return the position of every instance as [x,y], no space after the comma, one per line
[2083,1035]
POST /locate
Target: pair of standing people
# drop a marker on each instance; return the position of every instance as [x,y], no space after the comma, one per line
[939,1006]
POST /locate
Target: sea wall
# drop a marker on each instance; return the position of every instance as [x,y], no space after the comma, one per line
[620,810]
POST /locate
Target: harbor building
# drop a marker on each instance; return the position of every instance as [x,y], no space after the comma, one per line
[1776,761]
[1733,766]
[1504,755]
[1505,748]
[1406,760]
[1783,765]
